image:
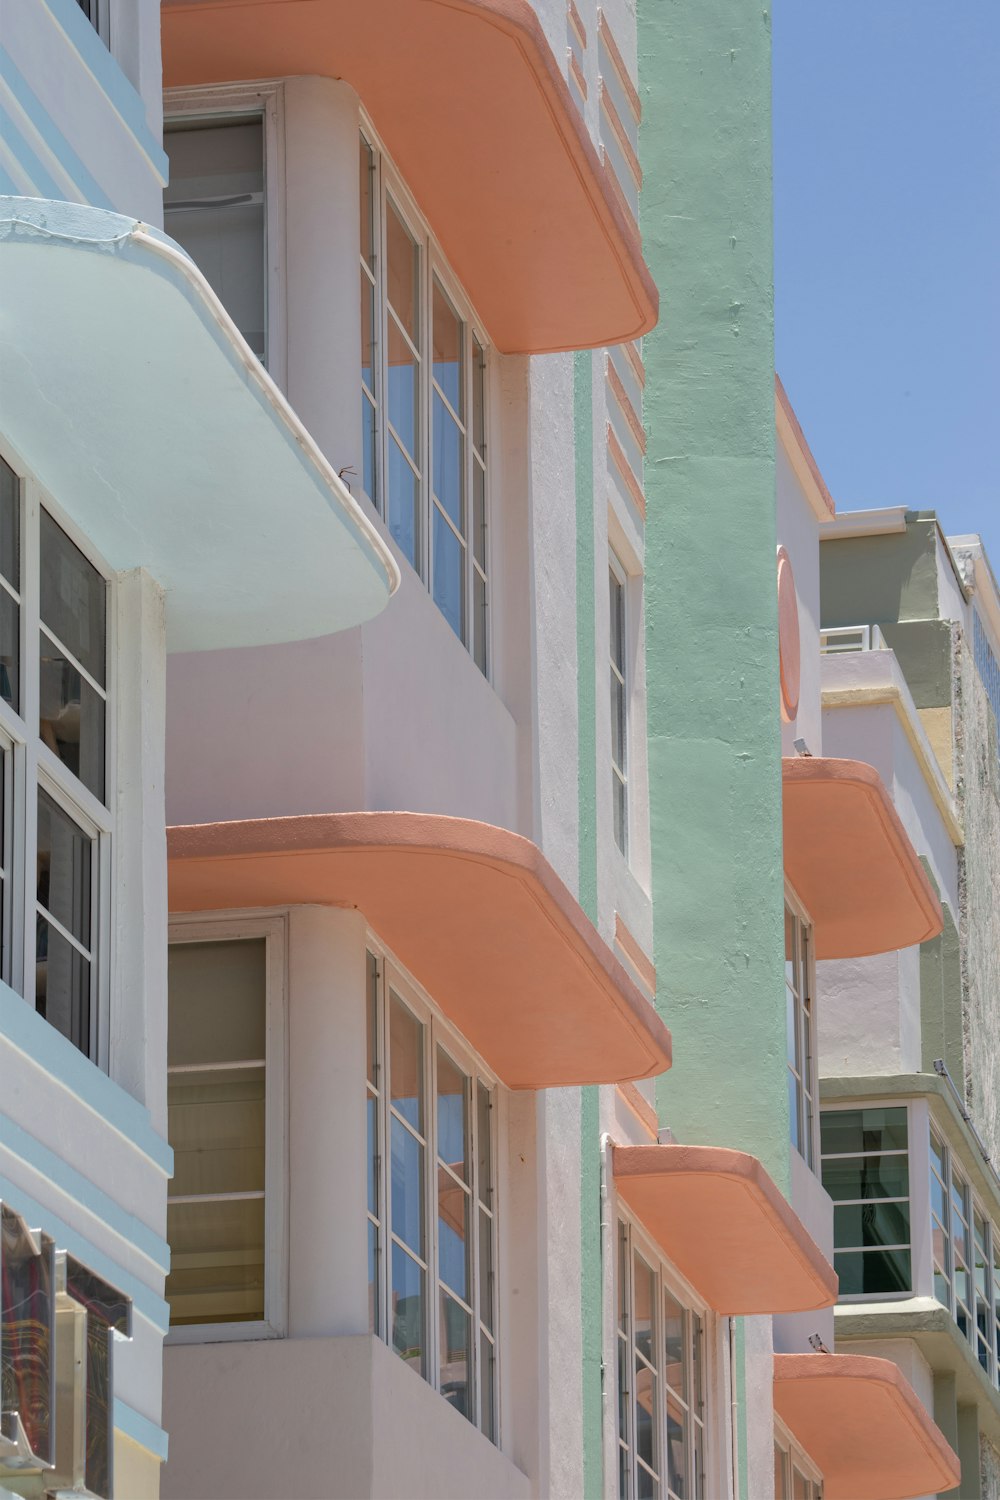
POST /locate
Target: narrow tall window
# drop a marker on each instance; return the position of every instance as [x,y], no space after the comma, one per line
[966,1255]
[866,1172]
[800,1033]
[223,1116]
[424,373]
[661,1382]
[618,597]
[431,1203]
[53,764]
[214,206]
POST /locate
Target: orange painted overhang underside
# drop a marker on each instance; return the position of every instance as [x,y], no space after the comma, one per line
[719,1218]
[476,914]
[477,115]
[851,862]
[863,1425]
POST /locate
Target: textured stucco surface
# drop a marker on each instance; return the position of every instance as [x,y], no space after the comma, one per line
[989,1462]
[979,800]
[711,650]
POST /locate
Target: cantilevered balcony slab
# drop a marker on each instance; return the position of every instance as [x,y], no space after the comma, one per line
[851,861]
[476,914]
[864,1426]
[128,391]
[721,1221]
[477,114]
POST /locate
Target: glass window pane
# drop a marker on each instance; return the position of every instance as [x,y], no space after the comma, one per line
[618,804]
[218,1002]
[406,1063]
[853,1131]
[617,721]
[646,1413]
[479,514]
[644,1293]
[487,1387]
[374,1302]
[71,716]
[448,332]
[872,1223]
[407,1187]
[866,1177]
[10,526]
[454,1237]
[484,1149]
[373,1155]
[371,1020]
[449,463]
[794,1110]
[367,332]
[937,1156]
[674,1344]
[64,869]
[369,467]
[486,1269]
[480,622]
[214,207]
[455,1342]
[403,262]
[62,985]
[676,1448]
[478,397]
[216,1128]
[73,599]
[449,574]
[404,391]
[408,1302]
[216,1261]
[863,1272]
[366,193]
[452,1115]
[404,498]
[10,651]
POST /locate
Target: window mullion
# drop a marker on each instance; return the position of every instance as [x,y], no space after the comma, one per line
[381,497]
[25,878]
[430,1171]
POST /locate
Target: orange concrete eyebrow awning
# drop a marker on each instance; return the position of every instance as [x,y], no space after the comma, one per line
[851,862]
[477,115]
[475,913]
[864,1426]
[719,1218]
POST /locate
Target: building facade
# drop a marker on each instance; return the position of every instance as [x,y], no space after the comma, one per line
[456,877]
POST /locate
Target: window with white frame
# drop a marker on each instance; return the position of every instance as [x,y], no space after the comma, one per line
[424,371]
[54,766]
[866,1171]
[215,206]
[661,1379]
[432,1205]
[966,1255]
[618,624]
[225,1121]
[795,1476]
[800,988]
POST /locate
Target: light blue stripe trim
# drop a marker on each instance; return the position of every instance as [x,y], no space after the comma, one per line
[22,1144]
[140,1429]
[53,138]
[42,181]
[107,73]
[43,1044]
[153,1308]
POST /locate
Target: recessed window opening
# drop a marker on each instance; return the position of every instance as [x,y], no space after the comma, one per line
[800,982]
[214,205]
[866,1171]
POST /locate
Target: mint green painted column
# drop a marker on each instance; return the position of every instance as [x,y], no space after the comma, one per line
[711,604]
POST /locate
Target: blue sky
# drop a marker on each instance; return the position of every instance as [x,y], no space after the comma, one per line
[887,249]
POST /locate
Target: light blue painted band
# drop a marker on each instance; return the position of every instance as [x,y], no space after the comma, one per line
[38,1216]
[108,74]
[140,1429]
[22,1144]
[27,158]
[50,134]
[43,1044]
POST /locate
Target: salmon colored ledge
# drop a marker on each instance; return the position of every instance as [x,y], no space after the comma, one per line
[851,862]
[863,1425]
[720,1219]
[474,108]
[476,914]
[801,455]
